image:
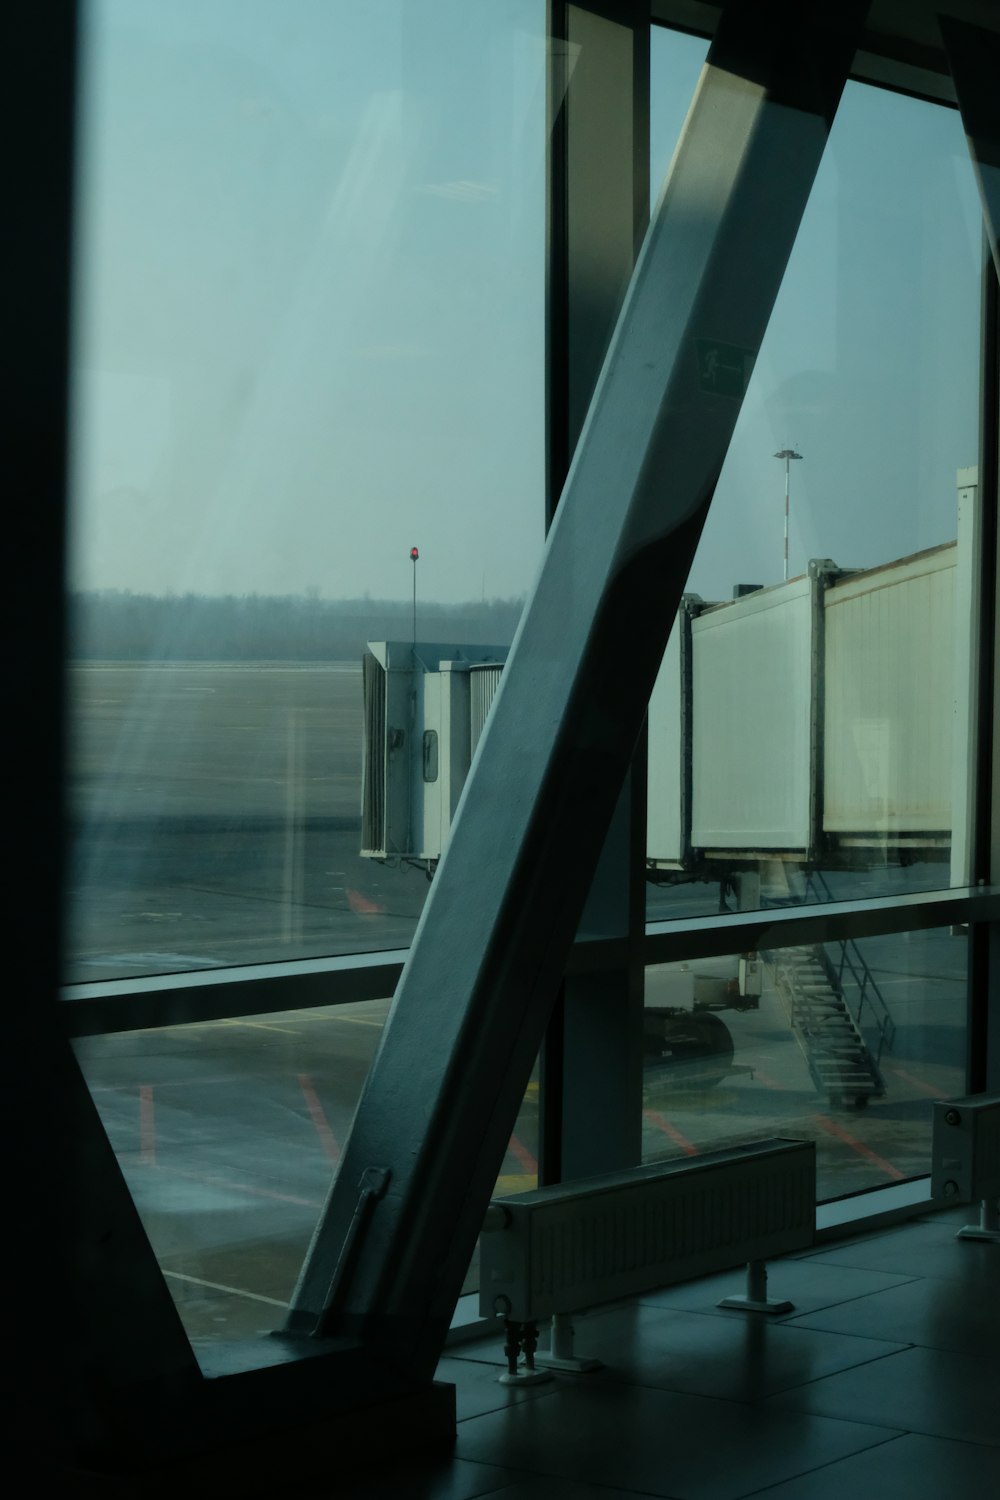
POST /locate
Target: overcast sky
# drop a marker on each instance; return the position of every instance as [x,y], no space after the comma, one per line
[310,310]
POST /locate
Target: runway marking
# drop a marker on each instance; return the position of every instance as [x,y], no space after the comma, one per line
[509,1183]
[238,1187]
[662,1123]
[259,1026]
[364,906]
[832,1128]
[352,1020]
[318,1117]
[916,1083]
[220,1286]
[524,1156]
[147,1126]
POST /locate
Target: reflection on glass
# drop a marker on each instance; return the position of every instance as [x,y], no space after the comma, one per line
[809,731]
[228,1134]
[845,1044]
[300,231]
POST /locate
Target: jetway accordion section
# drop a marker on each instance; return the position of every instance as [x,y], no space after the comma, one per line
[817,715]
[425,707]
[753,719]
[888,701]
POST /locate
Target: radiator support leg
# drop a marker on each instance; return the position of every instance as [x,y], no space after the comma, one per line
[560,1355]
[756,1299]
[988,1227]
[520,1337]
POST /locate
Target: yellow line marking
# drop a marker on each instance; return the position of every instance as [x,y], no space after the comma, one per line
[260,1026]
[354,1021]
[515,1182]
[218,1286]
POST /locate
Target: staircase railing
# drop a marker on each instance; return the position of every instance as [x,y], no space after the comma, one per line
[852,961]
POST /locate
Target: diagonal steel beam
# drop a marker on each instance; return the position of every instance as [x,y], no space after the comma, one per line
[398,1231]
[974,58]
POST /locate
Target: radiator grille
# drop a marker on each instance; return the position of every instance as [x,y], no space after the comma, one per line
[576,1246]
[483,684]
[622,1239]
[373,830]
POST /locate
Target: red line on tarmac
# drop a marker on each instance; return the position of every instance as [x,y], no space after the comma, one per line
[147,1126]
[318,1117]
[916,1083]
[524,1156]
[766,1079]
[832,1128]
[662,1123]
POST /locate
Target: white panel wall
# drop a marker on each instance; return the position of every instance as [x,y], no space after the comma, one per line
[664,833]
[751,721]
[889,698]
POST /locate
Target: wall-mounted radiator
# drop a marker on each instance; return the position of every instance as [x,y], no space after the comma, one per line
[563,1249]
[965,1160]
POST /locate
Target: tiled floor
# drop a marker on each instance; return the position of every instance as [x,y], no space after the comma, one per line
[884,1381]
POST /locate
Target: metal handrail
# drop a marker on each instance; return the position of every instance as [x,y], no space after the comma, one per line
[869,993]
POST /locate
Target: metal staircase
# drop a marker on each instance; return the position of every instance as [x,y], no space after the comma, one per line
[829,1026]
[840,1061]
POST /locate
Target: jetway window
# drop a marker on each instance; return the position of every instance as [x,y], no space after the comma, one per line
[430,755]
[845,1043]
[810,735]
[298,232]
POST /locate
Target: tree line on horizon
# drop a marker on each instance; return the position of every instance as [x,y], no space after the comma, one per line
[118,625]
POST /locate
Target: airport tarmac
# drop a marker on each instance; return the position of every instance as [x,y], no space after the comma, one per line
[216,817]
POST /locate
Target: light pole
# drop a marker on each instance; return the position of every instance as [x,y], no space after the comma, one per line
[414,555]
[787,454]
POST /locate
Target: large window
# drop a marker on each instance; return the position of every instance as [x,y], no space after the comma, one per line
[310,337]
[310,396]
[810,732]
[844,1043]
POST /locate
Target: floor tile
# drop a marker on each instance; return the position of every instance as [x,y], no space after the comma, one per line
[931,1391]
[919,1468]
[808,1284]
[477,1389]
[923,1249]
[451,1479]
[658,1442]
[936,1313]
[742,1359]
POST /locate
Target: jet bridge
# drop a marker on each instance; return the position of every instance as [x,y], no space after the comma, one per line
[815,720]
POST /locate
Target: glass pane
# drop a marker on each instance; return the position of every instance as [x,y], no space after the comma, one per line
[845,1044]
[810,730]
[300,227]
[228,1134]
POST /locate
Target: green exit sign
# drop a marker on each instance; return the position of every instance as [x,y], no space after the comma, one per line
[723,369]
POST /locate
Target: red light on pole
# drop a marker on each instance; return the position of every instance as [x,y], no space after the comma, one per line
[414,555]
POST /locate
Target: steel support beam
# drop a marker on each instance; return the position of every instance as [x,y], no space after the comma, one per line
[598,191]
[94,1325]
[395,1239]
[974,58]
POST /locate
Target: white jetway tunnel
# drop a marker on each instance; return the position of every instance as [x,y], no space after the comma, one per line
[425,705]
[827,717]
[823,716]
